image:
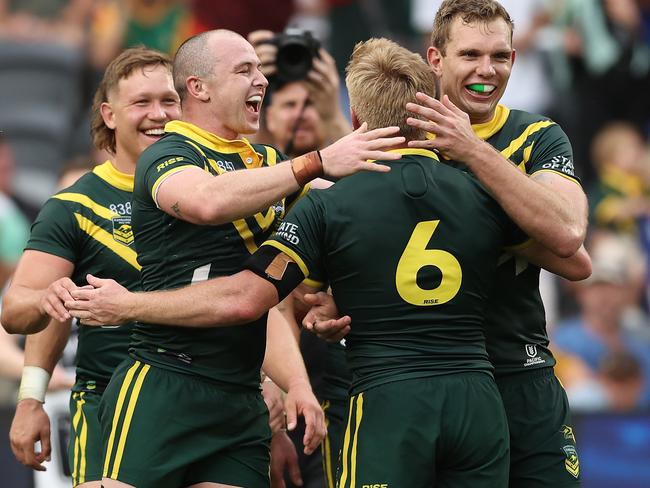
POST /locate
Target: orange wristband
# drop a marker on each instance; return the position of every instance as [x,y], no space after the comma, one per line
[307,167]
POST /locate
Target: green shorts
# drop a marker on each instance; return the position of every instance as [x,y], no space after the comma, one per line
[164,429]
[335,411]
[85,445]
[542,444]
[445,431]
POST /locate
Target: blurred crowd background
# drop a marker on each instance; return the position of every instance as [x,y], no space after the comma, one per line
[584,63]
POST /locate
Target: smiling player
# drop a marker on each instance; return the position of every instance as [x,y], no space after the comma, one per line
[86,228]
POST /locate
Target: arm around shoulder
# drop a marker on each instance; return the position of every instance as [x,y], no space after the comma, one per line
[574,268]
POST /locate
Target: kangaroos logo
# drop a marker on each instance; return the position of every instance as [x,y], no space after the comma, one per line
[122,231]
[571,462]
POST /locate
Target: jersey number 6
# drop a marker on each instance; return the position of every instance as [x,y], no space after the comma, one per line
[415,257]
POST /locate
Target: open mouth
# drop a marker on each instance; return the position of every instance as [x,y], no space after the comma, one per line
[480,89]
[254,103]
[156,133]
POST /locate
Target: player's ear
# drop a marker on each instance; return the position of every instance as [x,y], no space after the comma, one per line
[108,115]
[434,58]
[197,88]
[355,120]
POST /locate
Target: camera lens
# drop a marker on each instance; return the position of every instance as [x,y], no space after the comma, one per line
[294,61]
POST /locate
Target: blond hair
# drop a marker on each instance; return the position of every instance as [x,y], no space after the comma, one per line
[469,11]
[118,69]
[382,77]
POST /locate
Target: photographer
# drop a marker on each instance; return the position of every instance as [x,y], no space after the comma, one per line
[308,98]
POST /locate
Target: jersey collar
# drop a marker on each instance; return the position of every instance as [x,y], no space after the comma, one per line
[212,141]
[488,129]
[405,151]
[108,173]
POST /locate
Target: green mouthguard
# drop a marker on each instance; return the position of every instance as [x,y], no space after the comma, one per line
[477,87]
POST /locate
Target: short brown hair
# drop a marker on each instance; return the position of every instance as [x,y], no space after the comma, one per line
[121,67]
[194,58]
[381,77]
[469,11]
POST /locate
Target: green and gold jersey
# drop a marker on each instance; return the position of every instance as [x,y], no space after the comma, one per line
[410,255]
[515,322]
[175,253]
[610,194]
[89,224]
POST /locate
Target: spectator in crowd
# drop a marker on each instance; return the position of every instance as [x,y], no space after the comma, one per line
[608,60]
[158,24]
[13,222]
[621,193]
[599,330]
[60,21]
[300,115]
[243,16]
[617,386]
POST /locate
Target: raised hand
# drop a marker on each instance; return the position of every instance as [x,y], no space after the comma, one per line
[351,153]
[323,318]
[454,136]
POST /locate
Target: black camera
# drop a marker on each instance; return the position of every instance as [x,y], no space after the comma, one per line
[296,50]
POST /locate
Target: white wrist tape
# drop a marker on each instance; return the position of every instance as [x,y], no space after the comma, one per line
[33,383]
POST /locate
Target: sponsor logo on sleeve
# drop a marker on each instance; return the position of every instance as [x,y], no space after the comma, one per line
[288,232]
[562,164]
[169,162]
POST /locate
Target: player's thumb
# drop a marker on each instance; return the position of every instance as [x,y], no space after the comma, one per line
[313,299]
[46,446]
[292,414]
[294,472]
[94,281]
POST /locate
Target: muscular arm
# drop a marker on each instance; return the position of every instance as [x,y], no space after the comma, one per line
[549,208]
[231,300]
[45,348]
[284,364]
[11,356]
[197,197]
[574,268]
[39,287]
[200,198]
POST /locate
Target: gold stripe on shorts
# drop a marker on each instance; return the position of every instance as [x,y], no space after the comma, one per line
[77,428]
[359,415]
[127,420]
[326,450]
[349,453]
[126,383]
